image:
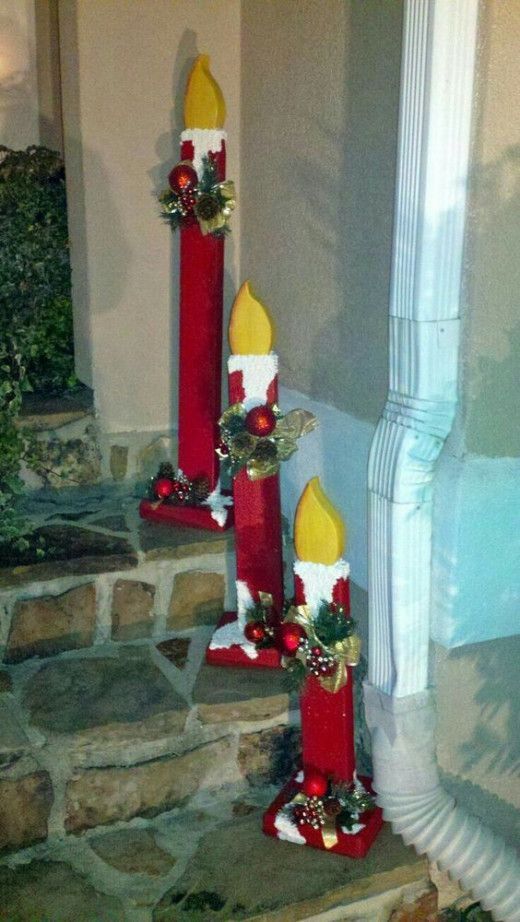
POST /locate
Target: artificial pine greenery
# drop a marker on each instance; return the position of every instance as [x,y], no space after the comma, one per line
[294,675]
[332,624]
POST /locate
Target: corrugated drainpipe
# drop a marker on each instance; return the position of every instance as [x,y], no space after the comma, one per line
[438,63]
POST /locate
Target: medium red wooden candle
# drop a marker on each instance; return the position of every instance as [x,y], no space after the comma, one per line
[253,381]
[201,284]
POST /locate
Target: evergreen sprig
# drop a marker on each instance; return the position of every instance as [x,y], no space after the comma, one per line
[332,624]
[294,675]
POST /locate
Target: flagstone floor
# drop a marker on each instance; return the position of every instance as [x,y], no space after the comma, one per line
[211,862]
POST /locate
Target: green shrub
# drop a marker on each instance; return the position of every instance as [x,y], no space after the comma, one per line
[36,339]
[35,301]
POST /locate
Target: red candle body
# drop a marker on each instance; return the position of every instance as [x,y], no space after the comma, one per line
[328,719]
[258,524]
[200,342]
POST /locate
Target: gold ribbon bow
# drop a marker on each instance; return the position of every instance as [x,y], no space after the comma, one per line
[346,652]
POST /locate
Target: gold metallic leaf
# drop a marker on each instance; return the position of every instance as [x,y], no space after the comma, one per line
[236,409]
[295,424]
[285,447]
[259,470]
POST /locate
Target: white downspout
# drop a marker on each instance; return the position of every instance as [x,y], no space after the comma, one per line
[438,61]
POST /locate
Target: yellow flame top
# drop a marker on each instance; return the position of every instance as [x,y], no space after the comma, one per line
[319,531]
[251,327]
[204,105]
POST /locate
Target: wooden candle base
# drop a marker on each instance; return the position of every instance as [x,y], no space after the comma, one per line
[191,516]
[234,654]
[353,845]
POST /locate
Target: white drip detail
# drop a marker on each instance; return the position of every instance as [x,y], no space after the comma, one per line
[357,827]
[319,579]
[258,373]
[287,830]
[219,505]
[244,601]
[232,634]
[205,141]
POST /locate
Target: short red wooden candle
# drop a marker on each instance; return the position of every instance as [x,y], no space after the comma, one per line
[322,576]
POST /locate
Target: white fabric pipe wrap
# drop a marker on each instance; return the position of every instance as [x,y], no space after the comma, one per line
[406,780]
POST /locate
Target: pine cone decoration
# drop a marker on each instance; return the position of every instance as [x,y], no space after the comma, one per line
[200,489]
[242,446]
[207,207]
[265,451]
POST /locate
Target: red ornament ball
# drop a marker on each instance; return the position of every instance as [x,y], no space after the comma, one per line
[314,784]
[164,487]
[255,631]
[290,636]
[260,421]
[183,178]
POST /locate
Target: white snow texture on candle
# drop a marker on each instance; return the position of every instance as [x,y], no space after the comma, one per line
[258,372]
[319,580]
[287,830]
[232,634]
[219,505]
[205,141]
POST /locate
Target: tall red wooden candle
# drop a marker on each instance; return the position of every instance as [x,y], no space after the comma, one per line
[321,575]
[200,315]
[253,381]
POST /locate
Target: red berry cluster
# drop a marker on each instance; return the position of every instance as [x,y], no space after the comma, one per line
[187,203]
[320,663]
[311,813]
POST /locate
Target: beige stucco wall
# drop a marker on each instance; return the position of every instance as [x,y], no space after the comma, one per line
[320,89]
[49,76]
[124,67]
[491,327]
[19,117]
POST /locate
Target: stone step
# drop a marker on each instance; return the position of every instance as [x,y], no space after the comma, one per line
[103,736]
[95,572]
[214,864]
[70,448]
[65,439]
